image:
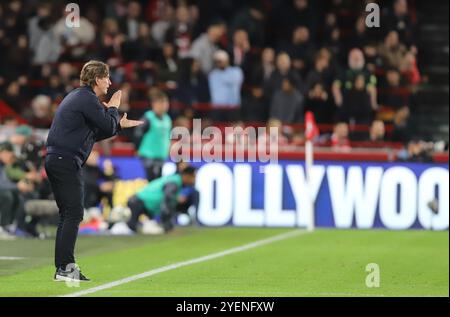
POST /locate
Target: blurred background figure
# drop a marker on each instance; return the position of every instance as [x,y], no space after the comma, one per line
[99,182]
[225,84]
[153,137]
[204,47]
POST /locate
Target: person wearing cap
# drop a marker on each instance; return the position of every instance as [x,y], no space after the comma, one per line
[11,193]
[225,84]
[26,152]
[19,138]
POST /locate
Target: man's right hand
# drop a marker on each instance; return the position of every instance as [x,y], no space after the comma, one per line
[115,100]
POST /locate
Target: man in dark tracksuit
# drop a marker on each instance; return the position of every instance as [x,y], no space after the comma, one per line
[80,121]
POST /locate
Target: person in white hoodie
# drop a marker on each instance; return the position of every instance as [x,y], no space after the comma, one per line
[225,84]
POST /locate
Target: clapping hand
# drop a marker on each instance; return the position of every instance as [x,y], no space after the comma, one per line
[115,100]
[126,123]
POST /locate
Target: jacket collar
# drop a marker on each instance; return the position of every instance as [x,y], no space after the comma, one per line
[88,88]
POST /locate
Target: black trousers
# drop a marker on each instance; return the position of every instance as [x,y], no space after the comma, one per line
[66,181]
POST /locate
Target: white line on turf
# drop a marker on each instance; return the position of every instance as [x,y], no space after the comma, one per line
[11,258]
[177,265]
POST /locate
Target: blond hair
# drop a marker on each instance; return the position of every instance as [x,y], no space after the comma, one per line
[92,70]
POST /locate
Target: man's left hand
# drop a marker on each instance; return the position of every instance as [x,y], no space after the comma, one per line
[126,123]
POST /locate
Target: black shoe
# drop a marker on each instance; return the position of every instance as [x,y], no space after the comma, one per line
[72,275]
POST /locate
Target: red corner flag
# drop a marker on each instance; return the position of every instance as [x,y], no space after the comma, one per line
[311,128]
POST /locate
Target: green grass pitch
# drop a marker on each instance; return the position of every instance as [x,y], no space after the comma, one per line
[321,263]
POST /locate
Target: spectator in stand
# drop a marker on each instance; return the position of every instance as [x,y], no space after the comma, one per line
[321,73]
[41,114]
[299,13]
[318,102]
[111,40]
[402,126]
[15,187]
[130,23]
[417,151]
[393,52]
[155,9]
[13,97]
[167,66]
[192,83]
[356,67]
[361,36]
[68,76]
[332,38]
[263,70]
[392,96]
[284,70]
[334,44]
[27,149]
[239,137]
[254,105]
[411,69]
[162,25]
[377,132]
[300,49]
[373,60]
[181,31]
[34,27]
[399,19]
[9,192]
[225,84]
[53,87]
[143,49]
[356,107]
[340,141]
[18,56]
[251,18]
[205,46]
[74,40]
[125,36]
[43,40]
[274,135]
[9,125]
[287,103]
[240,51]
[116,9]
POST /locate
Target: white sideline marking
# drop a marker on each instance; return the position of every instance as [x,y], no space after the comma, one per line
[11,258]
[188,262]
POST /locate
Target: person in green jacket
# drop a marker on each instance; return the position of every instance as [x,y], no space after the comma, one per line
[160,197]
[153,137]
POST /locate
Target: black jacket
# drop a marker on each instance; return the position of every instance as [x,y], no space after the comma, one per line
[80,121]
